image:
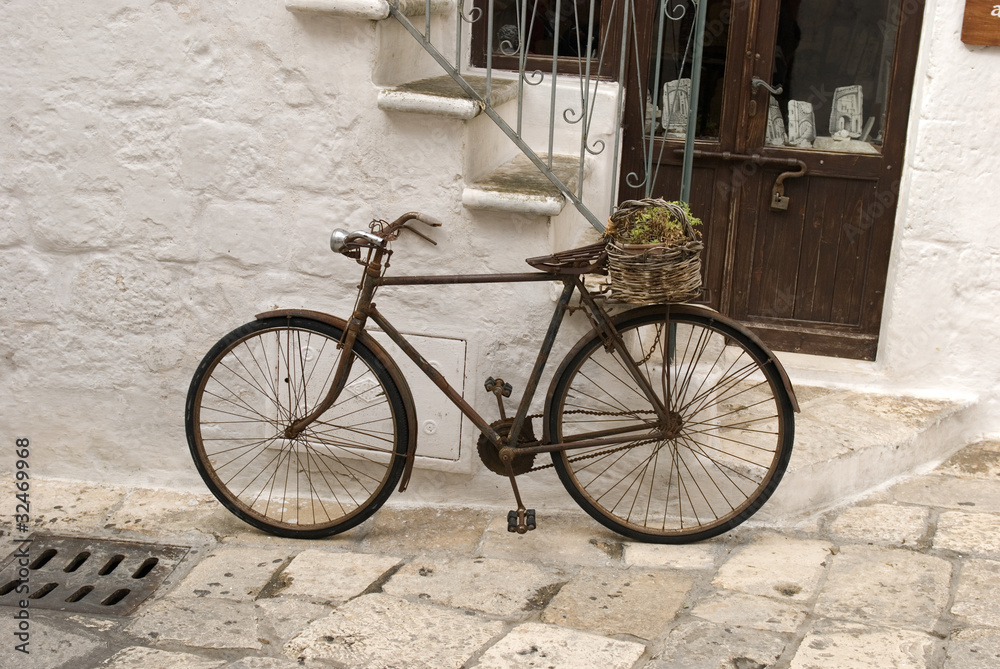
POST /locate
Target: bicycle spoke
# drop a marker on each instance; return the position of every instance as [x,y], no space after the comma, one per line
[718,442]
[327,477]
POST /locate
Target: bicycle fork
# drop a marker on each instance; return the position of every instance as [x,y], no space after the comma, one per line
[357,323]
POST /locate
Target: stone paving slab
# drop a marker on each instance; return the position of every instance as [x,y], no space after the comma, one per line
[849,646]
[232,573]
[609,602]
[750,611]
[974,649]
[883,524]
[551,647]
[666,556]
[377,631]
[426,530]
[562,539]
[332,576]
[263,663]
[703,645]
[496,587]
[886,587]
[68,506]
[48,646]
[199,623]
[284,617]
[982,496]
[976,599]
[776,566]
[157,512]
[969,533]
[978,461]
[151,658]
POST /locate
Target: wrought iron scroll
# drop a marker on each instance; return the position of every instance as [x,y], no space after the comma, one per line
[571,26]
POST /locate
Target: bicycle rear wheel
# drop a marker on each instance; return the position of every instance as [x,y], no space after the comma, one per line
[258,380]
[710,464]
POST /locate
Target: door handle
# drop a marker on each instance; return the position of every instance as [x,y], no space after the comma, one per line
[757,82]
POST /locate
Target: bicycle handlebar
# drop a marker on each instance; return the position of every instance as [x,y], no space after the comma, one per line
[342,240]
[349,243]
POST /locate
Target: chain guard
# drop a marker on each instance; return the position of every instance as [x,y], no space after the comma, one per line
[491,457]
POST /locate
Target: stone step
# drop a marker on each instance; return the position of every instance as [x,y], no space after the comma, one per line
[375,10]
[849,442]
[519,187]
[442,96]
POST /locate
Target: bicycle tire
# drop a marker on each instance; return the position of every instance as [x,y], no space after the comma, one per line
[259,379]
[711,465]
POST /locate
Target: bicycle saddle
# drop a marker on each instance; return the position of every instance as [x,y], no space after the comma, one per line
[590,259]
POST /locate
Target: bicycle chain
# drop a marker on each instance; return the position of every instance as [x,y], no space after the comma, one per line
[597,453]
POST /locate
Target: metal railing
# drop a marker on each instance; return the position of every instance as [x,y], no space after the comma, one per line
[581,46]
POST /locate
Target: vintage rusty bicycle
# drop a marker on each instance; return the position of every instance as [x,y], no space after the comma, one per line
[666,423]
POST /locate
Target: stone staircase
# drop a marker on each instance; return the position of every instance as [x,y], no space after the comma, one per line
[848,443]
[498,175]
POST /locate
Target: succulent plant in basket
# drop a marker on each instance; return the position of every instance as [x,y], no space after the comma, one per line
[644,222]
[654,252]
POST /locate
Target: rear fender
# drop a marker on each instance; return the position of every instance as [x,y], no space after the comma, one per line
[691,309]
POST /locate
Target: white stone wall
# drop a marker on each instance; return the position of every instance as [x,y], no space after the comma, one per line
[172,167]
[941,330]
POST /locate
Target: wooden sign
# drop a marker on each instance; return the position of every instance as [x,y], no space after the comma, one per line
[982,22]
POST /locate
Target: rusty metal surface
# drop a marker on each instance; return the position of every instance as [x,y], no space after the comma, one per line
[450,279]
[592,259]
[85,575]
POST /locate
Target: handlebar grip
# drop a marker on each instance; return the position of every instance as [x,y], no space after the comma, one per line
[428,220]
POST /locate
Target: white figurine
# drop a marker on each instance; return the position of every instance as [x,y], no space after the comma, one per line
[776,135]
[801,123]
[676,105]
[846,112]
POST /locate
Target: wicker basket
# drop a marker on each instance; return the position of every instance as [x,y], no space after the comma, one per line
[655,273]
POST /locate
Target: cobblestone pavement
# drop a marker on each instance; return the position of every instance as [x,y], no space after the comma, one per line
[904,578]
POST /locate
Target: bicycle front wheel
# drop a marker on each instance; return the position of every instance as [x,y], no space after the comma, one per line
[261,378]
[696,425]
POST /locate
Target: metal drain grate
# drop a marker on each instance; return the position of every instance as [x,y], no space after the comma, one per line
[86,575]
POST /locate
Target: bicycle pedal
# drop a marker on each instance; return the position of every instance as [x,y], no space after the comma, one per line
[515,524]
[498,387]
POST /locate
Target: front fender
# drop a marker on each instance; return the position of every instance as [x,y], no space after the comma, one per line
[383,357]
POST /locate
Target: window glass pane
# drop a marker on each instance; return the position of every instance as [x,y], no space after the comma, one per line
[833,59]
[670,74]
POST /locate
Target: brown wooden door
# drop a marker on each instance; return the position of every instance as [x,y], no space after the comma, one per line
[811,276]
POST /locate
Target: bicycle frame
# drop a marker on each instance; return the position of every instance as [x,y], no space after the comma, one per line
[365,309]
[691,441]
[570,282]
[665,425]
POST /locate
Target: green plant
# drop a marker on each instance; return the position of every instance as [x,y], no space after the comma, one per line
[651,224]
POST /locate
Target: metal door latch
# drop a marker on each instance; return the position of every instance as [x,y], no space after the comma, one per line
[779,201]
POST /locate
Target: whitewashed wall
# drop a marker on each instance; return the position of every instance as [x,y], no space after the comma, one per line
[941,329]
[171,168]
